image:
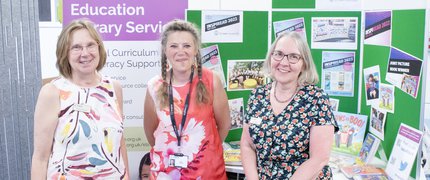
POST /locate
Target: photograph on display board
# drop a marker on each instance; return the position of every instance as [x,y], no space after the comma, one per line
[297,25]
[245,74]
[377,122]
[236,112]
[334,33]
[334,104]
[404,71]
[211,59]
[386,97]
[372,79]
[350,136]
[222,26]
[378,28]
[338,73]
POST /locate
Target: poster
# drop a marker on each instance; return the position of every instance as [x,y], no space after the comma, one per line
[222,26]
[378,28]
[334,104]
[350,136]
[130,31]
[404,71]
[371,79]
[289,25]
[404,152]
[211,59]
[425,151]
[245,74]
[377,122]
[236,112]
[338,5]
[338,72]
[334,33]
[386,97]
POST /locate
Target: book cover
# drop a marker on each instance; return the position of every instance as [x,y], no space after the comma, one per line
[353,170]
[369,148]
[349,138]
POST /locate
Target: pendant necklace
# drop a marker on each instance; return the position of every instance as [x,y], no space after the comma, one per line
[284,101]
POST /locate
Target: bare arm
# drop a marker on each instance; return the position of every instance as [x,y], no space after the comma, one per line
[119,97]
[248,154]
[45,123]
[221,109]
[321,139]
[150,122]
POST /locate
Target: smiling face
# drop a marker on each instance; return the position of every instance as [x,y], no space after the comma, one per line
[83,54]
[181,51]
[283,71]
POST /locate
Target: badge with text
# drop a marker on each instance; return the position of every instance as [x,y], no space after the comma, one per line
[82,107]
[178,160]
[255,120]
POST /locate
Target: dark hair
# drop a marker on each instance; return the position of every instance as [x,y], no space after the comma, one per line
[146,160]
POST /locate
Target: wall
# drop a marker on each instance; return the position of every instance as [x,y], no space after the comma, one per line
[20,72]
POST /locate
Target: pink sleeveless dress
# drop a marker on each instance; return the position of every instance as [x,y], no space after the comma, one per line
[200,139]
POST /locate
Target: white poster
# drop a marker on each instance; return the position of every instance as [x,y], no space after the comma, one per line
[404,152]
[338,5]
[222,26]
[236,112]
[386,98]
[289,25]
[338,72]
[334,33]
[245,74]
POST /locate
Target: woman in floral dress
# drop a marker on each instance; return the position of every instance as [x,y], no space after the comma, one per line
[289,127]
[186,111]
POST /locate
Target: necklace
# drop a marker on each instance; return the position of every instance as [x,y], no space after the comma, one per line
[284,101]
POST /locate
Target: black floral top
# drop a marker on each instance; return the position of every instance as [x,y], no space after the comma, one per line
[282,141]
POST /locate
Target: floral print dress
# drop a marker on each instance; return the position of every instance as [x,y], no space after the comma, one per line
[282,141]
[200,140]
[87,142]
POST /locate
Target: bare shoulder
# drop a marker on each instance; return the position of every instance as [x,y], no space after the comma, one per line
[216,81]
[49,92]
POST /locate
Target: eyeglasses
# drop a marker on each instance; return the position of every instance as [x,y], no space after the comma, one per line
[77,49]
[292,58]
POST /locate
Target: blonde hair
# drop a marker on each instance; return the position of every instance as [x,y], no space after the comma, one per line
[181,26]
[63,45]
[308,75]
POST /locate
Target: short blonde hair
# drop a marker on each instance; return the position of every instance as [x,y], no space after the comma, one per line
[309,75]
[63,45]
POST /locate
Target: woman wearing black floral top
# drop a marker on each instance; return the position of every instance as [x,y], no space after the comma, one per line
[289,127]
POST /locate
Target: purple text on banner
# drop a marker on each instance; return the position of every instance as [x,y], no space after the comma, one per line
[410,134]
[126,20]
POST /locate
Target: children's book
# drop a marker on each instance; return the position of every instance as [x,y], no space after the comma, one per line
[369,148]
[349,138]
[353,170]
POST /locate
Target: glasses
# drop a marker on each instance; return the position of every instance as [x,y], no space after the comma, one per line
[292,58]
[77,49]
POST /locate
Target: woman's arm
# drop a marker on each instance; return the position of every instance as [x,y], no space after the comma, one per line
[150,122]
[45,123]
[123,148]
[248,154]
[321,139]
[221,109]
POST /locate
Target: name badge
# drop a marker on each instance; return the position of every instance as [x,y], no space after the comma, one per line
[178,160]
[255,120]
[82,107]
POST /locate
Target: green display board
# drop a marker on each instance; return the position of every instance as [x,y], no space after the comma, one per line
[254,46]
[346,104]
[293,4]
[408,35]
